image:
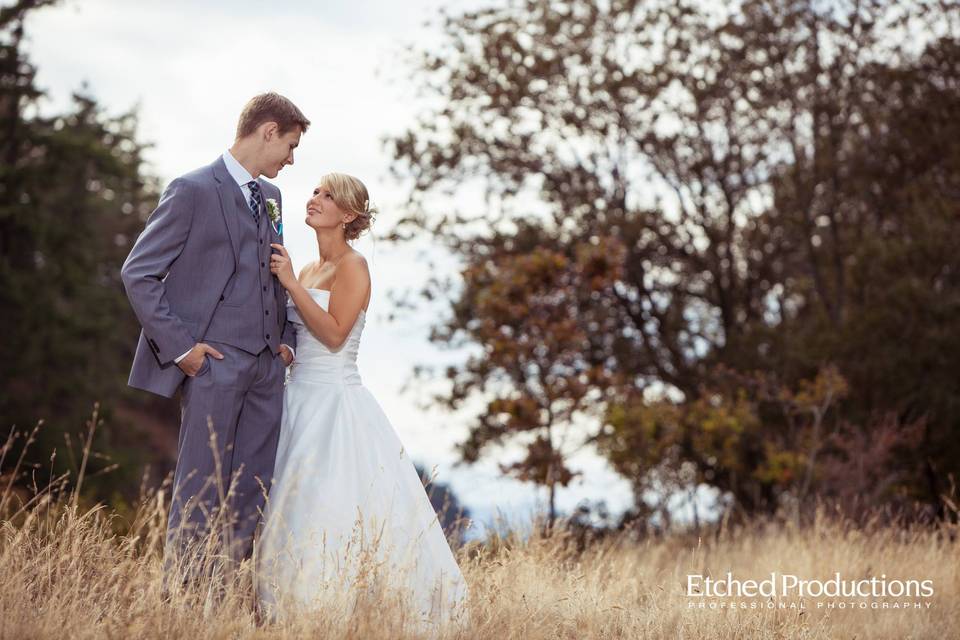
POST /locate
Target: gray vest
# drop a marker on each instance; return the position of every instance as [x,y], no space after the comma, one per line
[247,316]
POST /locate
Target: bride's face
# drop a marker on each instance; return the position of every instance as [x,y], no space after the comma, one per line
[323,212]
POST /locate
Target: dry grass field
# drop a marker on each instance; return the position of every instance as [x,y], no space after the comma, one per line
[66,572]
[74,571]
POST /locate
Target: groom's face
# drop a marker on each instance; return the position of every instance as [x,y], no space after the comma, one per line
[278,151]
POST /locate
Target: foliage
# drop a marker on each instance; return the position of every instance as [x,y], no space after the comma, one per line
[771,187]
[454,516]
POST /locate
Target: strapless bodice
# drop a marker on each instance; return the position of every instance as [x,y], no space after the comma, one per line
[315,362]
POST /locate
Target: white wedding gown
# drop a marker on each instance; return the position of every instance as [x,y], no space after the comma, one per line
[346,498]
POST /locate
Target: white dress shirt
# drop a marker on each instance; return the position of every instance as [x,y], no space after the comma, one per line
[239,173]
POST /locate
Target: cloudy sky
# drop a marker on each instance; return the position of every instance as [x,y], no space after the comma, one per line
[189,67]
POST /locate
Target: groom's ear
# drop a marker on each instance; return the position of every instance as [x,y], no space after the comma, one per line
[269,130]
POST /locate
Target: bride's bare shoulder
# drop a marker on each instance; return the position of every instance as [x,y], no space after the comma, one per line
[355,259]
[354,264]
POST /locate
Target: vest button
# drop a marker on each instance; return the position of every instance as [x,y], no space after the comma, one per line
[264,287]
[268,336]
[267,312]
[263,264]
[221,298]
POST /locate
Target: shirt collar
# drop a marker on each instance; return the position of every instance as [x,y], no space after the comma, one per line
[235,169]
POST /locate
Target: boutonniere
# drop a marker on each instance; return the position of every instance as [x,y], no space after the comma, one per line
[273,210]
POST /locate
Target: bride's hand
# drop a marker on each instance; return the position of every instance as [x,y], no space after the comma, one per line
[281,266]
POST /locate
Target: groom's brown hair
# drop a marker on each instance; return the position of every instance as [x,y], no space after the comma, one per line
[270,107]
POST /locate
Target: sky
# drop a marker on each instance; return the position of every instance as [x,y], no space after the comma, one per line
[189,67]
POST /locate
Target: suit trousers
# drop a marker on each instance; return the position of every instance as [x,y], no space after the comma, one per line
[230,426]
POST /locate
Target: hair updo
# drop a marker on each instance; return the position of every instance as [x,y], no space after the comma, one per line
[350,195]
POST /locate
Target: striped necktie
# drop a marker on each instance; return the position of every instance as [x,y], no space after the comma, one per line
[255,205]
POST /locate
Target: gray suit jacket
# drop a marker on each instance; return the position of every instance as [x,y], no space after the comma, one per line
[179,267]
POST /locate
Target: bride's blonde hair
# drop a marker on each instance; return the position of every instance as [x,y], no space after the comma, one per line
[350,195]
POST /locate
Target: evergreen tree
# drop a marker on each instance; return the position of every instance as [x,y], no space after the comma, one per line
[72,201]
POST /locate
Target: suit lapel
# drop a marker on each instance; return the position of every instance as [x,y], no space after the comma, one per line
[228,192]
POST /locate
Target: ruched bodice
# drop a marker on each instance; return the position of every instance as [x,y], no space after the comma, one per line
[315,362]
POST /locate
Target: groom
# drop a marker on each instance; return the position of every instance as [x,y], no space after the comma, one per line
[215,326]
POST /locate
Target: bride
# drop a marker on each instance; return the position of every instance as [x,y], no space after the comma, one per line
[347,513]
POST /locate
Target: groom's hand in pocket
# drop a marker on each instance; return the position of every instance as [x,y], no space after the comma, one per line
[285,355]
[194,360]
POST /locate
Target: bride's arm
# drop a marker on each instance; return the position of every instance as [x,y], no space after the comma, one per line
[352,283]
